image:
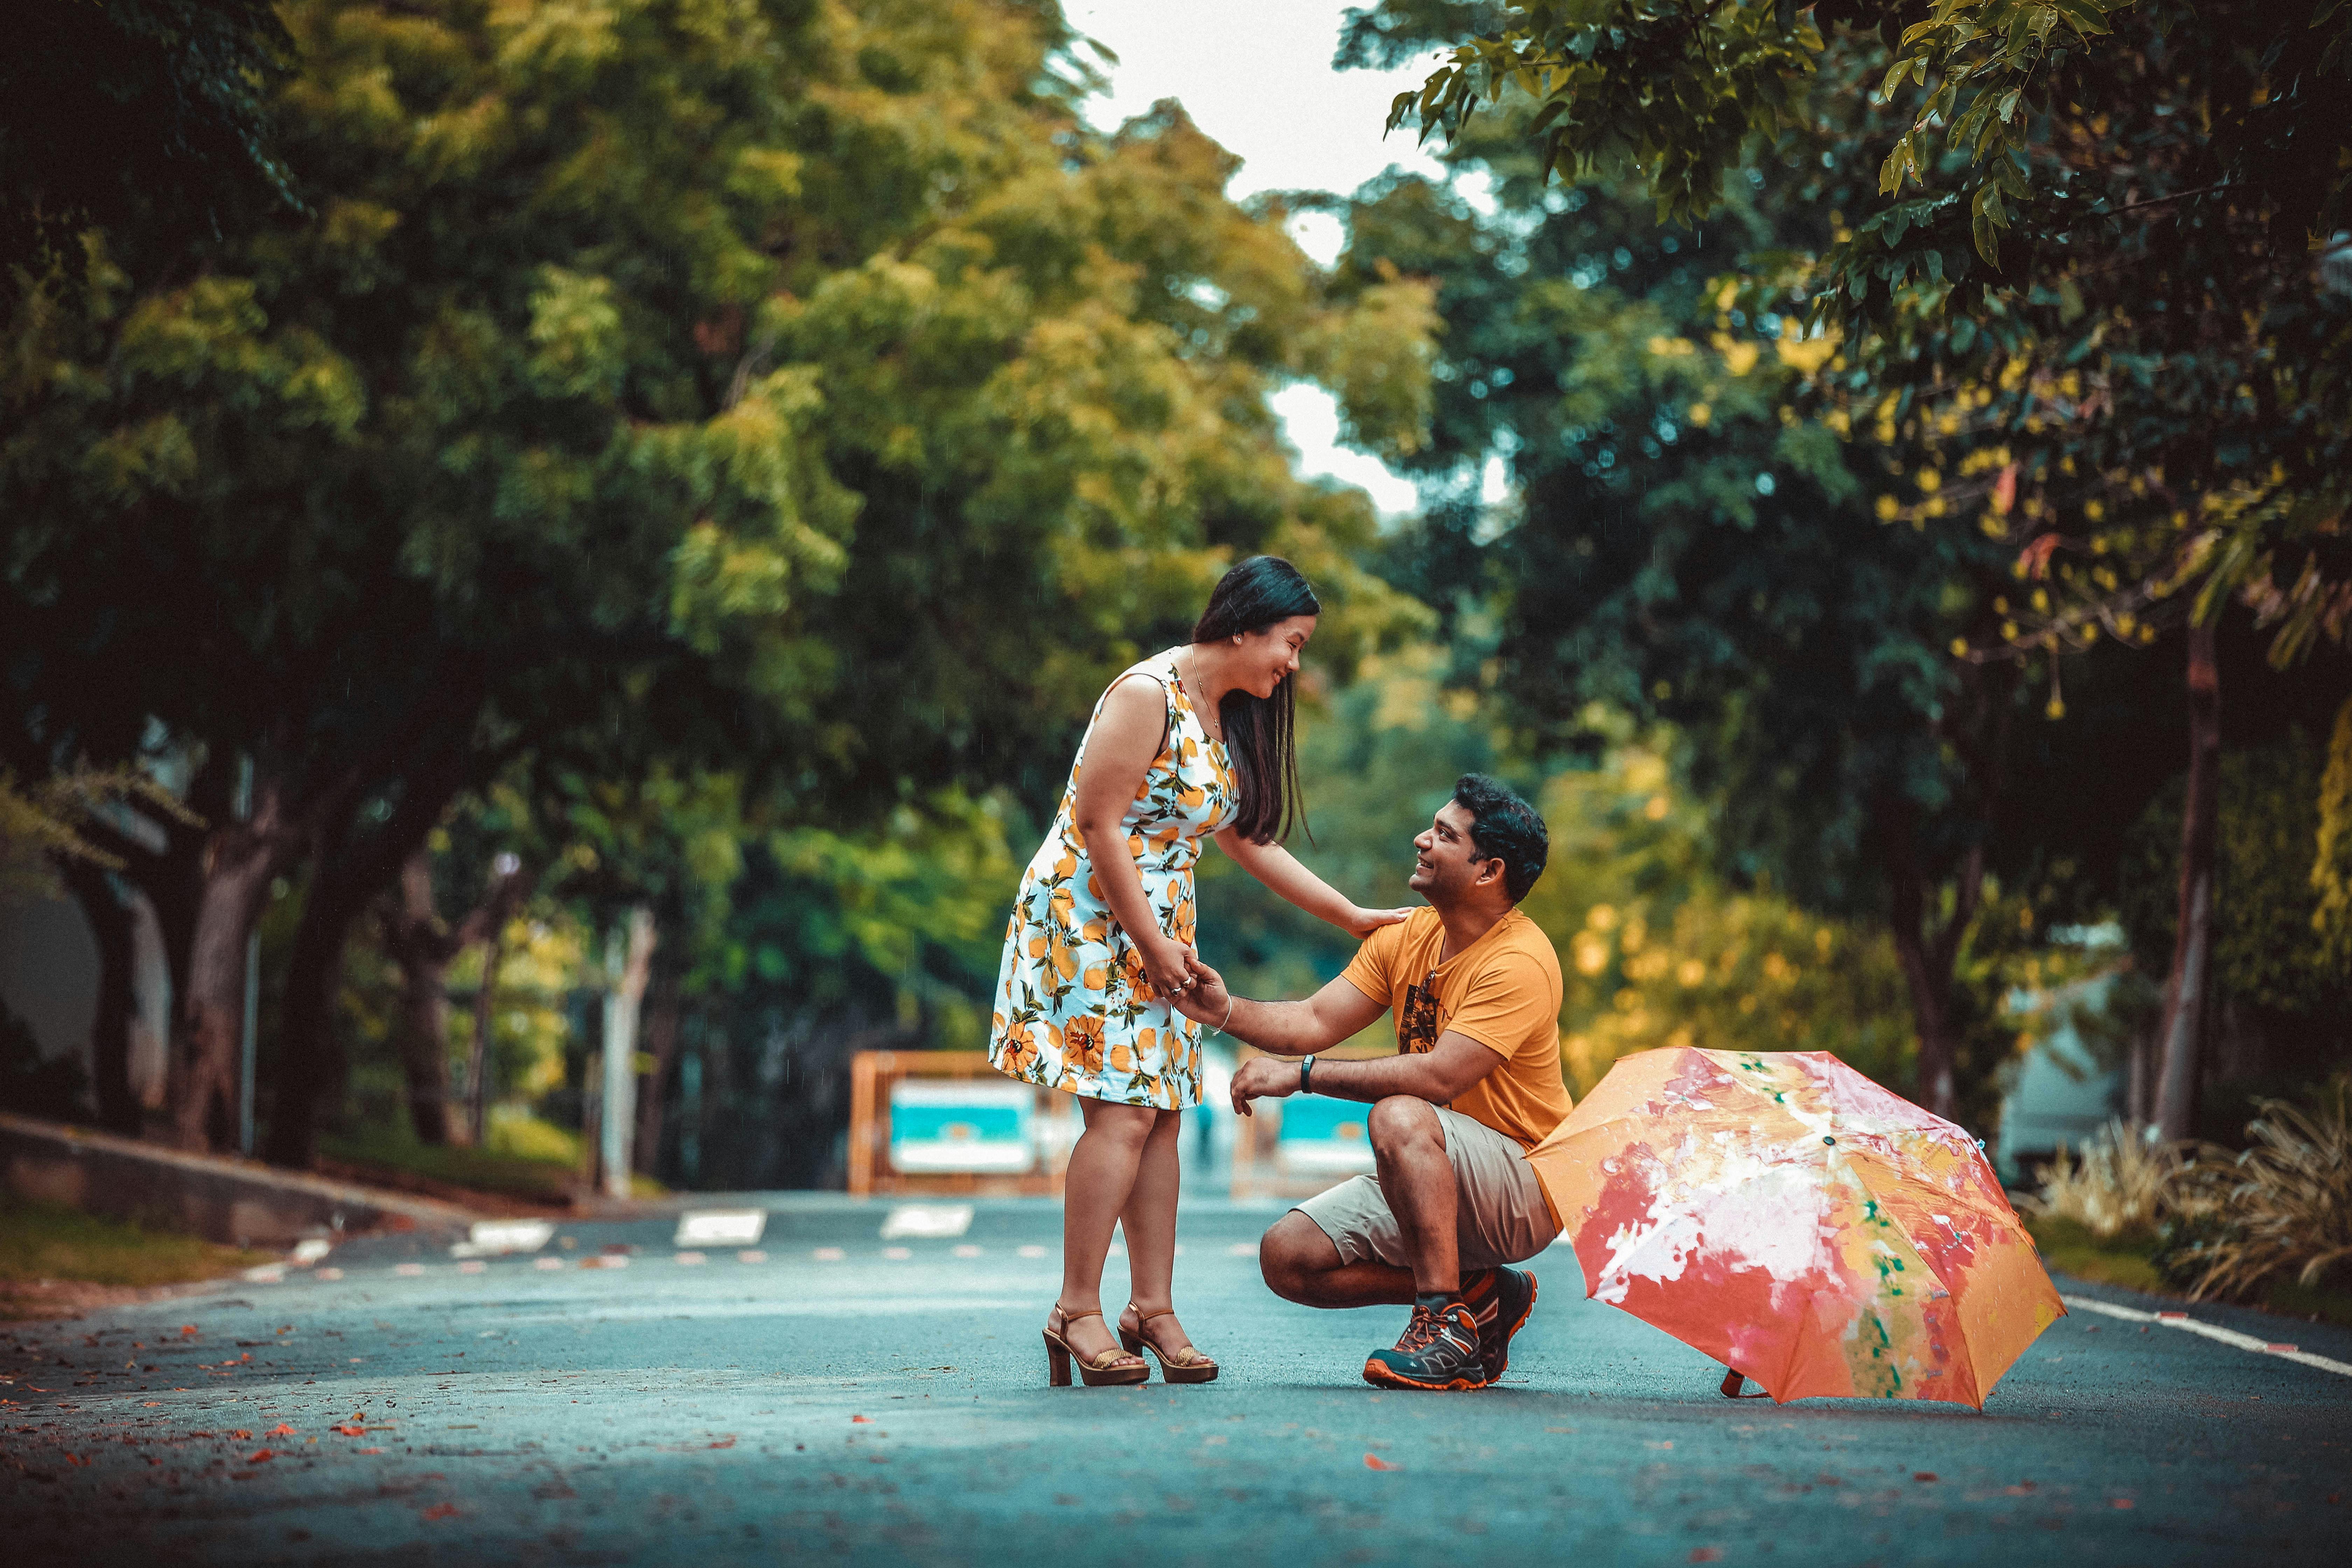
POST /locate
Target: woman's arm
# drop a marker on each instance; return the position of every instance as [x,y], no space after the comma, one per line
[1279,869]
[1119,751]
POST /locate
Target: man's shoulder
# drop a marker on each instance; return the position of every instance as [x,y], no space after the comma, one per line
[1523,946]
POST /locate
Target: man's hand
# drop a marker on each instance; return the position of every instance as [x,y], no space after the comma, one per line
[1263,1077]
[1205,1000]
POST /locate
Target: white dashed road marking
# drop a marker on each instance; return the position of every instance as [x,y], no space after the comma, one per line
[2209,1330]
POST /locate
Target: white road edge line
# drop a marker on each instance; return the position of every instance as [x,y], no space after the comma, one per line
[2227,1336]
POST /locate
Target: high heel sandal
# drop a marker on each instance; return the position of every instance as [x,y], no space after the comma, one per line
[1188,1365]
[1105,1369]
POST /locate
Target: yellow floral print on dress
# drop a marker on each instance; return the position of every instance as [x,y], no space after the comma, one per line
[1075,1008]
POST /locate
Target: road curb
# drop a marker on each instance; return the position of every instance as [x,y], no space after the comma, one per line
[240,1203]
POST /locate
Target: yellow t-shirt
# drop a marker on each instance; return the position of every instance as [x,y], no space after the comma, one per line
[1503,991]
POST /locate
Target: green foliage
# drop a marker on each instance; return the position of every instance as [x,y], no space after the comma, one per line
[41,824]
[753,424]
[50,1241]
[1657,950]
[2265,955]
[149,118]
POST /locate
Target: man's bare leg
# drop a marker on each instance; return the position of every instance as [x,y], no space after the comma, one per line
[1417,1179]
[1300,1264]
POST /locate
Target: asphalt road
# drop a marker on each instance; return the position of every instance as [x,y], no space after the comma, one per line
[829,1396]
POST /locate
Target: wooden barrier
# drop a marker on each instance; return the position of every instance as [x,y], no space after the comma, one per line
[947,1123]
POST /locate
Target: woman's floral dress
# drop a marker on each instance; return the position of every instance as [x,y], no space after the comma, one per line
[1075,1008]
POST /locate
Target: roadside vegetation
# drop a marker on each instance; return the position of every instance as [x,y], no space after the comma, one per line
[2270,1226]
[47,1249]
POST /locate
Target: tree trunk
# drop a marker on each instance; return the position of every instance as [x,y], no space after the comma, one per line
[2188,993]
[1928,953]
[419,944]
[628,956]
[109,1032]
[478,1052]
[239,861]
[348,873]
[662,1009]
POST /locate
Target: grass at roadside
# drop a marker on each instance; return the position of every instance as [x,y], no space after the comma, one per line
[2128,1260]
[43,1244]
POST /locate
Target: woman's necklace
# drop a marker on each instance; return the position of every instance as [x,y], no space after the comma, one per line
[1191,684]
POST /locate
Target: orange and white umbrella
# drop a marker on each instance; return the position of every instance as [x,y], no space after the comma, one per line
[1798,1223]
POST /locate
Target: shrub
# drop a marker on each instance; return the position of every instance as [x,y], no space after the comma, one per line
[2241,1223]
[2119,1187]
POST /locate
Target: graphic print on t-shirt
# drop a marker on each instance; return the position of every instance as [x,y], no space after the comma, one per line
[1417,1026]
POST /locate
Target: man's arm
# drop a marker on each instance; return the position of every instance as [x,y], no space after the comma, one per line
[1330,1015]
[1436,1075]
[1285,1028]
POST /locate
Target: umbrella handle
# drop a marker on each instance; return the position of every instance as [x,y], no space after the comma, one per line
[1732,1381]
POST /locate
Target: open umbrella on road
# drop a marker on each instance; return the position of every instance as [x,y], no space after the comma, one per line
[1798,1223]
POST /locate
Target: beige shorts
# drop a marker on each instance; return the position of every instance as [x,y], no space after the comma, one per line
[1501,1215]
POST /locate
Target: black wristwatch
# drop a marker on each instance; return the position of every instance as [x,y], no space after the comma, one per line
[1305,1070]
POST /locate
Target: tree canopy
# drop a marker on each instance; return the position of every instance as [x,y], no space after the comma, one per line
[800,391]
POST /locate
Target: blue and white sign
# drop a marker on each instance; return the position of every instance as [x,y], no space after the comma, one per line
[1322,1137]
[962,1125]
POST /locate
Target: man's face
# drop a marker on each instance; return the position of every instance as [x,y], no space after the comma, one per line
[1447,865]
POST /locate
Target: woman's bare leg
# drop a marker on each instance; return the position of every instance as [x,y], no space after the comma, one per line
[1149,1223]
[1097,1187]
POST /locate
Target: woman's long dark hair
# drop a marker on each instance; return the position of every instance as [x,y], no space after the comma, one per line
[1257,594]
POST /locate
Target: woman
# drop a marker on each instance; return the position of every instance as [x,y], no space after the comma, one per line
[1192,742]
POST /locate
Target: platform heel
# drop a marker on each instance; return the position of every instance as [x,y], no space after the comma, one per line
[1107,1368]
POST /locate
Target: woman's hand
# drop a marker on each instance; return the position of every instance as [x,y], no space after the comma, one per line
[1168,964]
[1361,921]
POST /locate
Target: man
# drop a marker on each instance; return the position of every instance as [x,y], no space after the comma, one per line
[1475,1083]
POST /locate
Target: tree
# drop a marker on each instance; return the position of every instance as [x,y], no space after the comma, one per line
[145,118]
[651,390]
[2102,343]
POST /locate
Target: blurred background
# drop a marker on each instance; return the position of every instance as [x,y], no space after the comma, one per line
[554,559]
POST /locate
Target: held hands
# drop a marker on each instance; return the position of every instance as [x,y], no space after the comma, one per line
[1172,967]
[1362,923]
[1205,1000]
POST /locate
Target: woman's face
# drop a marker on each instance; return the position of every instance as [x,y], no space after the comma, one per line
[1266,656]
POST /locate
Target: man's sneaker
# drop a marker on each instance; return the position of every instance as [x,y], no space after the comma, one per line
[1439,1351]
[1499,1301]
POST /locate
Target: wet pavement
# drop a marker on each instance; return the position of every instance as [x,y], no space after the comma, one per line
[829,1394]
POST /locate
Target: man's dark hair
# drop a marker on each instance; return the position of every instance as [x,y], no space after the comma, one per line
[1505,827]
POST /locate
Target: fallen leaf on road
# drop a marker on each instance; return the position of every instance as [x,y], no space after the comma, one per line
[188,1331]
[370,1450]
[353,1431]
[1374,1462]
[442,1510]
[260,1457]
[240,1435]
[864,1420]
[280,1430]
[1707,1554]
[1923,1475]
[724,1442]
[2124,1502]
[150,1404]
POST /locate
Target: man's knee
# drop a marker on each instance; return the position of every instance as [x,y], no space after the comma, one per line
[1401,1122]
[1293,1251]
